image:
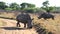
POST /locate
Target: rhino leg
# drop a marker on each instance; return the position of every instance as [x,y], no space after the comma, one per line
[53,18]
[24,25]
[18,25]
[45,18]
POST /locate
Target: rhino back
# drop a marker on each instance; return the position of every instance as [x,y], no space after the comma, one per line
[23,17]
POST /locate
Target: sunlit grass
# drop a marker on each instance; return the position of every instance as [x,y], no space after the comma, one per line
[2,23]
[49,24]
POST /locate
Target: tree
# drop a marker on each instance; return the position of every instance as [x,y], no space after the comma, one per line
[14,6]
[3,5]
[46,6]
[31,5]
[23,5]
[27,5]
[46,3]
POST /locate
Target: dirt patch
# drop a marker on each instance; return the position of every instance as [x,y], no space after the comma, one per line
[10,28]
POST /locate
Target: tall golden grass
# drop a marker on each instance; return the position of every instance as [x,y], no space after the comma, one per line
[49,24]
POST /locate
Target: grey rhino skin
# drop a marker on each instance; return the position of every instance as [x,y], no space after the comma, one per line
[46,16]
[25,19]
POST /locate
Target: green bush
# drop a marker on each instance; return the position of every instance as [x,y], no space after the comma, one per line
[29,10]
[8,8]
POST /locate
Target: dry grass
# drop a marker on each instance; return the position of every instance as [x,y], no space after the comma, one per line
[50,25]
[2,23]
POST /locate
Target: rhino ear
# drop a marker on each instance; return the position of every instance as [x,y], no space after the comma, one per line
[32,18]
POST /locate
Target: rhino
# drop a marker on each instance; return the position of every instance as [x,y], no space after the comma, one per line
[25,19]
[46,16]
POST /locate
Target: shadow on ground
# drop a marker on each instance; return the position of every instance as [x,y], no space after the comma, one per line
[7,18]
[13,28]
[40,30]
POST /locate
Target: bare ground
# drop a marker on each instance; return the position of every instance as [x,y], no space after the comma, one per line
[9,27]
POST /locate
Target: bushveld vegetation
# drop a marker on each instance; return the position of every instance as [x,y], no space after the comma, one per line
[49,25]
[31,8]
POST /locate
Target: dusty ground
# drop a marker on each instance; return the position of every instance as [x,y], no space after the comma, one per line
[9,27]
